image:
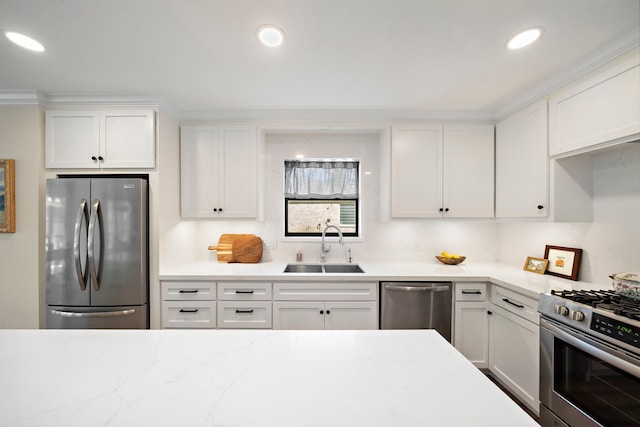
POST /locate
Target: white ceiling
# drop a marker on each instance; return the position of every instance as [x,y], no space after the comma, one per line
[372,55]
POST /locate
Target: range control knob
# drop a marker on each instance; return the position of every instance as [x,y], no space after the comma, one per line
[577,315]
[562,310]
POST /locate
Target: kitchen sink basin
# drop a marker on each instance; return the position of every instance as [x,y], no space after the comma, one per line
[320,268]
[342,268]
[303,268]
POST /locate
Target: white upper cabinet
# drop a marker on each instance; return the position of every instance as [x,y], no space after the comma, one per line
[468,171]
[416,171]
[94,139]
[218,171]
[522,164]
[442,171]
[598,110]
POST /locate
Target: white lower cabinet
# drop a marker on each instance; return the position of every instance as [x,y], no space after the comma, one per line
[325,315]
[188,304]
[471,323]
[245,305]
[325,305]
[514,335]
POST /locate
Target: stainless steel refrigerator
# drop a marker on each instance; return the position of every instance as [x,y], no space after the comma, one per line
[97,253]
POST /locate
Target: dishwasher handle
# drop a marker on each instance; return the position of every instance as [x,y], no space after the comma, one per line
[430,288]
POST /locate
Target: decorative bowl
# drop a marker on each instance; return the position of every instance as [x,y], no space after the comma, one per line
[450,261]
[627,284]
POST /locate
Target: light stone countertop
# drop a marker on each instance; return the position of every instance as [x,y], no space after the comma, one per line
[244,378]
[514,278]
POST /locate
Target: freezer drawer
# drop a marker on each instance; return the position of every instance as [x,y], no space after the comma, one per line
[128,317]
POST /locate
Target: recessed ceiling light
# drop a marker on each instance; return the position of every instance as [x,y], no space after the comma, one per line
[270,35]
[25,41]
[524,38]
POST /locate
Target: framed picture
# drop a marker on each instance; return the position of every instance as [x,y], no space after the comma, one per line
[536,265]
[7,197]
[563,262]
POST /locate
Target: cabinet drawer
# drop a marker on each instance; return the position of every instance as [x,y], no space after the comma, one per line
[325,291]
[244,291]
[471,291]
[518,304]
[188,314]
[232,314]
[188,291]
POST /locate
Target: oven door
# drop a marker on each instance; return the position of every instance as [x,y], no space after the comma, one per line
[585,381]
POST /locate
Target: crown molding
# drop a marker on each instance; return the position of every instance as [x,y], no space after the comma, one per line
[23,97]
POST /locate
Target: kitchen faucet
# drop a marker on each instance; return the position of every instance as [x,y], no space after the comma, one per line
[325,248]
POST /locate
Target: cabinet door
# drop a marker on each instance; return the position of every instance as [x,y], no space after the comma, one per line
[522,184]
[128,139]
[598,109]
[298,315]
[351,315]
[514,354]
[199,171]
[468,171]
[72,139]
[471,334]
[416,172]
[238,172]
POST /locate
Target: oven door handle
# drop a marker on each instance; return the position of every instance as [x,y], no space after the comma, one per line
[593,348]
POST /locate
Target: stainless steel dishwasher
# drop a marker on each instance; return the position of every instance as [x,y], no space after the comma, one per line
[416,305]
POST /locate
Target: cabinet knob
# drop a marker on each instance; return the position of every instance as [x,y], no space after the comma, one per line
[446,209]
[321,311]
[489,312]
[220,210]
[215,209]
[441,209]
[94,158]
[540,207]
[328,311]
[100,158]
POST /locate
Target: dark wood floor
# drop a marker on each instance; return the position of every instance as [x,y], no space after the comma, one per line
[508,393]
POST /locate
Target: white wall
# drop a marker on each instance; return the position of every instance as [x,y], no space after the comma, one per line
[611,243]
[22,252]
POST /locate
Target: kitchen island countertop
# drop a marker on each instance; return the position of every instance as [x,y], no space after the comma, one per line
[244,378]
[514,278]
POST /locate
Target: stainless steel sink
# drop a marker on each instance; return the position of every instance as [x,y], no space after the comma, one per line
[342,268]
[320,268]
[303,268]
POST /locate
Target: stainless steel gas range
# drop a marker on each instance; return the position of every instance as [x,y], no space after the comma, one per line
[589,359]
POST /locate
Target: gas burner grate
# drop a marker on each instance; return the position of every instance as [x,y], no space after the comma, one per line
[604,300]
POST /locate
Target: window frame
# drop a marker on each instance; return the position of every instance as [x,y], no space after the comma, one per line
[288,233]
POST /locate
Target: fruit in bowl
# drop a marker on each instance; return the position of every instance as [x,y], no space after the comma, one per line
[450,259]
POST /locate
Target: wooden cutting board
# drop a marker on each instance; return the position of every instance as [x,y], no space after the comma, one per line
[238,248]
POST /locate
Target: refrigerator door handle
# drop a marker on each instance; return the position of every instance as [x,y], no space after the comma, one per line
[96,215]
[127,312]
[82,212]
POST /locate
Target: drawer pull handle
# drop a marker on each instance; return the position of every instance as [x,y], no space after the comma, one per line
[475,292]
[244,292]
[244,311]
[182,310]
[512,303]
[188,291]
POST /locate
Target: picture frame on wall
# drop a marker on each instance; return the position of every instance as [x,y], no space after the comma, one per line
[563,262]
[7,196]
[536,265]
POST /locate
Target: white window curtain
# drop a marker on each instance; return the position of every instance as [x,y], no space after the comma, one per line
[321,179]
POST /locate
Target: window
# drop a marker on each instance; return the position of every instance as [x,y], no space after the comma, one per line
[319,193]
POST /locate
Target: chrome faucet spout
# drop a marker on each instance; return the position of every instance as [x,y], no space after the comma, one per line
[324,248]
